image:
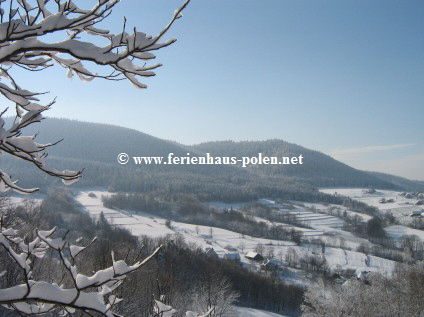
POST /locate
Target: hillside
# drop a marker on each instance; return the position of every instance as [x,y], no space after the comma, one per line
[95,147]
[317,169]
[405,184]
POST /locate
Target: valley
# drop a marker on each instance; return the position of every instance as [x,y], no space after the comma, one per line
[325,240]
[275,232]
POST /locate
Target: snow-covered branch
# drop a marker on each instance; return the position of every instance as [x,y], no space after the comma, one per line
[26,148]
[88,293]
[26,29]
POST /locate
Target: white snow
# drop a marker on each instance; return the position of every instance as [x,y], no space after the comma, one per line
[225,241]
[400,208]
[397,231]
[251,312]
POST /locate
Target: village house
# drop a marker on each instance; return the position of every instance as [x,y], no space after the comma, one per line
[211,253]
[254,256]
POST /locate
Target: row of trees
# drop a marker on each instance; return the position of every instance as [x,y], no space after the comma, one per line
[188,209]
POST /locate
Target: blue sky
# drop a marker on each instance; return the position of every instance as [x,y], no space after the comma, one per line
[342,77]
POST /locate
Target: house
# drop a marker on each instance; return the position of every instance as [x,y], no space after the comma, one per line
[369,191]
[254,256]
[211,253]
[271,265]
[232,257]
[417,213]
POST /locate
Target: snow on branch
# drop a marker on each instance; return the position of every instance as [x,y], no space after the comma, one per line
[25,147]
[25,29]
[90,294]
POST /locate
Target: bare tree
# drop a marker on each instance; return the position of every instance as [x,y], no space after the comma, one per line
[242,246]
[28,33]
[85,293]
[36,35]
[292,257]
[214,296]
[377,295]
[260,248]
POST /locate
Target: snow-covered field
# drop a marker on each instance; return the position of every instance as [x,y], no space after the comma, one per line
[401,207]
[397,231]
[316,220]
[324,224]
[22,200]
[225,242]
[249,312]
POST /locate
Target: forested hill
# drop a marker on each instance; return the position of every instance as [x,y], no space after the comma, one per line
[95,147]
[318,169]
[405,184]
[99,142]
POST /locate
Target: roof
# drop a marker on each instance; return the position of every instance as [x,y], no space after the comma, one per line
[254,256]
[211,252]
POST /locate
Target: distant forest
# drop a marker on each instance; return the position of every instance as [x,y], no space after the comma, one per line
[94,148]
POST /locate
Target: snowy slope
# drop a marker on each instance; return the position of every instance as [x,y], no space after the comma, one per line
[401,207]
[224,241]
[397,231]
[251,312]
